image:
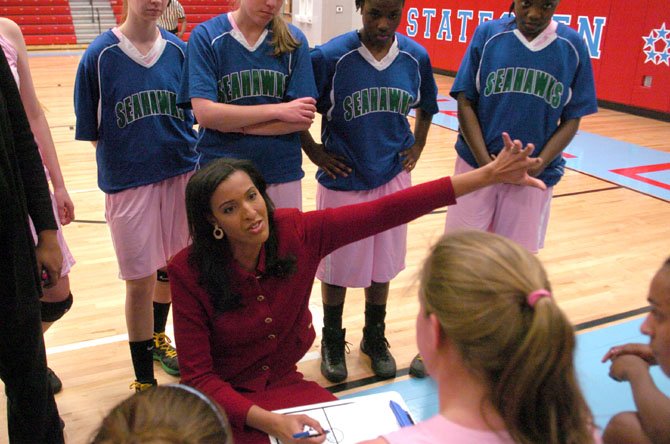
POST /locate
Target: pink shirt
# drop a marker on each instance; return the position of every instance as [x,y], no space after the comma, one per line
[439,429]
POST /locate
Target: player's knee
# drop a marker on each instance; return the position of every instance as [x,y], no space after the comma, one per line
[162,276]
[53,311]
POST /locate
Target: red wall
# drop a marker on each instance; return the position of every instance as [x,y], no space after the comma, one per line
[614,30]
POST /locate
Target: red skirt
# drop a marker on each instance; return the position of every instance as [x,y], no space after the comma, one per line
[290,393]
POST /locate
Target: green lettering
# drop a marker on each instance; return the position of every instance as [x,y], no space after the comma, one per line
[519,74]
[530,80]
[365,99]
[509,78]
[347,105]
[121,120]
[235,86]
[374,99]
[394,99]
[245,76]
[500,78]
[490,82]
[268,82]
[256,82]
[541,84]
[383,99]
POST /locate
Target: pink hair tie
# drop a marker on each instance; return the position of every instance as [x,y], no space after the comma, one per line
[536,295]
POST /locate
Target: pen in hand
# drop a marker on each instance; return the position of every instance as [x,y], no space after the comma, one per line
[309,434]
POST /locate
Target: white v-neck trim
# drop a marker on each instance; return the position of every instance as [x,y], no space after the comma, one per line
[386,61]
[542,40]
[146,60]
[237,35]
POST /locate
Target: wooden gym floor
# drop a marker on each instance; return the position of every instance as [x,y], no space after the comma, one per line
[604,244]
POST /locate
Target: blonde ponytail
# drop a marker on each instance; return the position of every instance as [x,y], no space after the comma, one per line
[282,39]
[477,284]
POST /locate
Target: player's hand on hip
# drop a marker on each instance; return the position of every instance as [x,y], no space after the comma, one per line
[331,164]
[410,157]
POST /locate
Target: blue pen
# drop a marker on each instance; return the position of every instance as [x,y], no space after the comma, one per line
[401,415]
[309,434]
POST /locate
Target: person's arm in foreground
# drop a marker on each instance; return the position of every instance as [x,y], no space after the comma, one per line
[35,185]
[631,363]
[40,127]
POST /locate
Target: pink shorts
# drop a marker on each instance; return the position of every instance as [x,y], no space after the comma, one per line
[378,258]
[516,212]
[148,225]
[68,259]
[286,195]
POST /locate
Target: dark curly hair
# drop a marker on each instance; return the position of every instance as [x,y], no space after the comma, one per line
[359,4]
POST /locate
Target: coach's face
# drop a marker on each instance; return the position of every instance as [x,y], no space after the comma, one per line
[533,16]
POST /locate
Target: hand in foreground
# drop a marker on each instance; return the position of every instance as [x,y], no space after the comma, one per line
[331,164]
[292,424]
[512,163]
[642,351]
[625,367]
[49,256]
[65,206]
[410,157]
[300,110]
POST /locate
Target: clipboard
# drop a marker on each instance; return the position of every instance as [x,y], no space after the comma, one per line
[354,419]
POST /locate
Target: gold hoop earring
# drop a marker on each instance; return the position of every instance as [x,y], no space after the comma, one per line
[218,232]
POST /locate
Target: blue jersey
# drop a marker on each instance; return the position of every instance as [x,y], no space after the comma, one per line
[131,110]
[365,102]
[523,89]
[221,67]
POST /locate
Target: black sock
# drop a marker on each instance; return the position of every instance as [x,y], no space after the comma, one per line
[332,316]
[374,314]
[161,311]
[143,362]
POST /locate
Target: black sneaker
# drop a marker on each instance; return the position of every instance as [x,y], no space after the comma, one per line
[333,346]
[54,381]
[417,368]
[166,354]
[375,345]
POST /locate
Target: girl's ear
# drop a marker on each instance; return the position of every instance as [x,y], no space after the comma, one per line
[211,219]
[437,336]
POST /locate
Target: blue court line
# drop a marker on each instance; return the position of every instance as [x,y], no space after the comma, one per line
[626,164]
[605,396]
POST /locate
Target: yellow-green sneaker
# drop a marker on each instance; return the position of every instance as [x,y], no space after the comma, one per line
[165,354]
[143,386]
[417,368]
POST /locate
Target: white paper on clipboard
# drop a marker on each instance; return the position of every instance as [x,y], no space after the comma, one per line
[352,420]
